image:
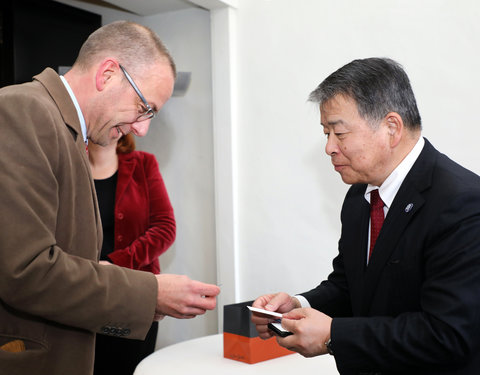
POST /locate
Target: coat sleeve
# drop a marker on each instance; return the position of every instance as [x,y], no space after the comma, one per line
[159,234]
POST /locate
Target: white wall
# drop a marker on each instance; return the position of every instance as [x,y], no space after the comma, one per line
[181,138]
[289,196]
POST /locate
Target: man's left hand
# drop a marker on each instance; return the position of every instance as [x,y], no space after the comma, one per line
[310,328]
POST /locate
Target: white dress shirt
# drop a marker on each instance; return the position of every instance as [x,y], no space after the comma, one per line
[77,107]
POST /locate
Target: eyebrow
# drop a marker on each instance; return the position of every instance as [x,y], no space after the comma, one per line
[333,123]
[154,107]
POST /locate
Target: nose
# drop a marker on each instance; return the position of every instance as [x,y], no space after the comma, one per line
[331,147]
[140,128]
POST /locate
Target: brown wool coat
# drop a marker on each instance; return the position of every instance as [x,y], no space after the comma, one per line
[53,294]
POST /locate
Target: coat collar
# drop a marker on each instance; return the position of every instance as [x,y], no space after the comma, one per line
[53,84]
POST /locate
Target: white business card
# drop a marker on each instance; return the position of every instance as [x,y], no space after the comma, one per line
[266,312]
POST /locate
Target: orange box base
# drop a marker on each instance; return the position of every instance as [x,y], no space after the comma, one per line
[251,349]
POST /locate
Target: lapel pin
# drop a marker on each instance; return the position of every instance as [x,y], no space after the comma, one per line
[409,207]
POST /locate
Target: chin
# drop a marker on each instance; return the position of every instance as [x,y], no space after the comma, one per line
[100,142]
[349,180]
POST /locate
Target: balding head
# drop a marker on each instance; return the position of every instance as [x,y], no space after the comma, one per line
[135,46]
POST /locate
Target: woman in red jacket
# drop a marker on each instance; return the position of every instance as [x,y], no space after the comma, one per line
[138,226]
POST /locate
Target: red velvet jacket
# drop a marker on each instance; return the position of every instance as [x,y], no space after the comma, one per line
[144,219]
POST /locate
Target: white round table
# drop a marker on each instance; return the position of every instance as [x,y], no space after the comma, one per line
[204,355]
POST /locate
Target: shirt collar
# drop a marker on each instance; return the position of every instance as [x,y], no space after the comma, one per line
[391,185]
[77,107]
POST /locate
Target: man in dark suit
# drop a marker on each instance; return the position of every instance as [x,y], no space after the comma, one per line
[404,294]
[54,295]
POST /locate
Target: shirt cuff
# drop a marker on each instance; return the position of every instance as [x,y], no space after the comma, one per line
[303,301]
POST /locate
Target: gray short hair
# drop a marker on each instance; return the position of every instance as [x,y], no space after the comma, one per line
[378,86]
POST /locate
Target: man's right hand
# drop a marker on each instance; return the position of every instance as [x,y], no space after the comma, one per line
[279,302]
[182,298]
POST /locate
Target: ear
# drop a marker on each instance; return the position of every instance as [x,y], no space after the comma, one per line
[395,128]
[107,69]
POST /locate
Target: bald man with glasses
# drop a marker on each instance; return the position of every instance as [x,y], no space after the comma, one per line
[54,295]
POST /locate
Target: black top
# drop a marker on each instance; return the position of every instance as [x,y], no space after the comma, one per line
[106,202]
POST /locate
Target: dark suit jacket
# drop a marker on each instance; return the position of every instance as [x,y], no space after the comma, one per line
[144,220]
[415,309]
[53,294]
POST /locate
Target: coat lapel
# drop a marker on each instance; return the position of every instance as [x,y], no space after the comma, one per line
[126,166]
[355,246]
[408,201]
[53,84]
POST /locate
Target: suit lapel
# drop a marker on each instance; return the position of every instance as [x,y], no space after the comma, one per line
[356,250]
[402,211]
[408,201]
[52,83]
[55,87]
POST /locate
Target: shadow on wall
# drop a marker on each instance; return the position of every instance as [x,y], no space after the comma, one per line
[329,182]
[159,140]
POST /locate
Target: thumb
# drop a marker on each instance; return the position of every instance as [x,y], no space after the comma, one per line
[289,324]
[295,314]
[275,303]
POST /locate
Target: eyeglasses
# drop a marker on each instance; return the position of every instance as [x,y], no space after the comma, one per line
[149,113]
